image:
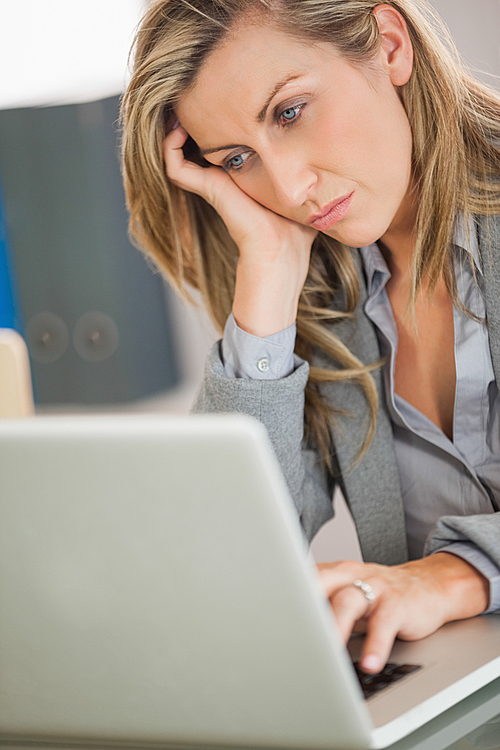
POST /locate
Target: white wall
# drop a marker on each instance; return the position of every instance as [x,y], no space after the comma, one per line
[63,51]
[475,27]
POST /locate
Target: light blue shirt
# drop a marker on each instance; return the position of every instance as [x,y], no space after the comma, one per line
[438,476]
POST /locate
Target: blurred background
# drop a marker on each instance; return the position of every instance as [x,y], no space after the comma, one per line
[104,331]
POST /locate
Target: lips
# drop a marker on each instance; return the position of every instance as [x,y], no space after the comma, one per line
[331,213]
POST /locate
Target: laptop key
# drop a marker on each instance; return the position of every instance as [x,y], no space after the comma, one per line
[392,672]
[389,668]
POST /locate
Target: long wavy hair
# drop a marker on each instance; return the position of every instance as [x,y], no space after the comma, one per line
[455,123]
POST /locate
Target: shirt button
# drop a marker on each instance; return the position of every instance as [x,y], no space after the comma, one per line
[263,364]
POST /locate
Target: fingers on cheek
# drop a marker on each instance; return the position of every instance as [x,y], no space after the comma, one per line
[177,172]
[169,170]
[172,146]
[173,162]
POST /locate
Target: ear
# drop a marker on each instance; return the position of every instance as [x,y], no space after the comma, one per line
[396,47]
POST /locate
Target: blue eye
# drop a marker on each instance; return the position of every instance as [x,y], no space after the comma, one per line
[286,118]
[290,114]
[236,162]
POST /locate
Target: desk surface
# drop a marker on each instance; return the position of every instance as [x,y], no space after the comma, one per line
[438,734]
[455,723]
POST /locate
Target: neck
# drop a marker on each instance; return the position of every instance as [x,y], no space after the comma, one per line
[397,244]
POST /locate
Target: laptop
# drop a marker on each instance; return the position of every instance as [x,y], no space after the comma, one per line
[156,589]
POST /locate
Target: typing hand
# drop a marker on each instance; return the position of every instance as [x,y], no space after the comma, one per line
[408,601]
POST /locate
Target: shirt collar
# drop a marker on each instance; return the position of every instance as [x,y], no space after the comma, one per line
[376,269]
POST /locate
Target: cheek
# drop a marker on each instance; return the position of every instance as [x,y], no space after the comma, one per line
[257,184]
[354,150]
[365,139]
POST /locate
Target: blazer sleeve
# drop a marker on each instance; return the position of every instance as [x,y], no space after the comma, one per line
[279,405]
[479,533]
[481,530]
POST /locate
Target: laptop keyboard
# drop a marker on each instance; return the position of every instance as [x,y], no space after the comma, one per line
[374,683]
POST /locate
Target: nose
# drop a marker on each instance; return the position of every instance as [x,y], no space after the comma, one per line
[293,180]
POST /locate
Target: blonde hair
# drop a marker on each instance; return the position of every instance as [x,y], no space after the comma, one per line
[455,122]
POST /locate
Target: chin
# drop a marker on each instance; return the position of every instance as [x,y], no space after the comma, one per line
[356,236]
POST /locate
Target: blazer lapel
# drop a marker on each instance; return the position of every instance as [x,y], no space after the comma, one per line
[371,486]
[489,244]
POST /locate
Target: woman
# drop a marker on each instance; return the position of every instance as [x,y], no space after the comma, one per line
[326,175]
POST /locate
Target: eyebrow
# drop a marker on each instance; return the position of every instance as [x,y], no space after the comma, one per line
[283,82]
[260,117]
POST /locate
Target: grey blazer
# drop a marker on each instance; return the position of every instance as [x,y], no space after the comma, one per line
[371,488]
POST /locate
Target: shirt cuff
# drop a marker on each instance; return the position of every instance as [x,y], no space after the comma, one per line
[254,358]
[476,557]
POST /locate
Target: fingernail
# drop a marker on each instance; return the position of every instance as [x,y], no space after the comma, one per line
[175,124]
[371,662]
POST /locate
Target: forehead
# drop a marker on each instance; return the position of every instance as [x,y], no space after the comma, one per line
[237,78]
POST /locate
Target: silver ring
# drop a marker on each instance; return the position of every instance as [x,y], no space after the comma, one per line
[366,589]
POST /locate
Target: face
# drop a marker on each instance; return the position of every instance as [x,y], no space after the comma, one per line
[331,131]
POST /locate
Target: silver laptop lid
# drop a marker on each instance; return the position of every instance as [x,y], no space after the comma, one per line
[155,588]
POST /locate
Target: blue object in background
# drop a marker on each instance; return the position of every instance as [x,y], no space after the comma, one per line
[9,315]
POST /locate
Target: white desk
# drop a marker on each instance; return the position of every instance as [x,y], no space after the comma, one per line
[438,734]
